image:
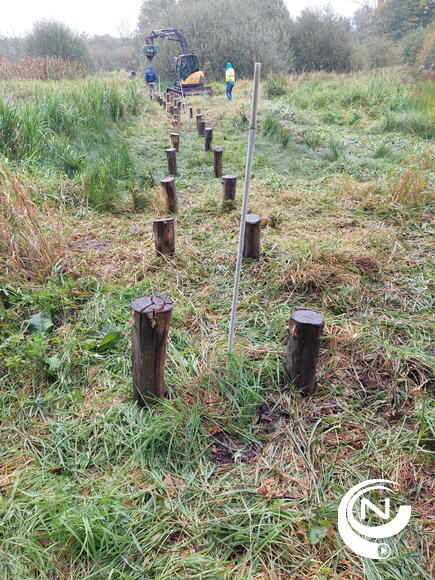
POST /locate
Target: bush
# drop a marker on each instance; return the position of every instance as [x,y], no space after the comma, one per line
[412,44]
[426,57]
[276,87]
[55,39]
[322,41]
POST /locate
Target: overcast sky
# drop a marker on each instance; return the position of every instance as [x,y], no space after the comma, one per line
[106,16]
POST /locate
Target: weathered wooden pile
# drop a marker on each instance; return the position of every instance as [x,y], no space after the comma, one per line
[152,314]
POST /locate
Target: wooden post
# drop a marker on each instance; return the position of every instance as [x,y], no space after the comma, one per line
[171,109]
[176,111]
[305,330]
[251,245]
[198,119]
[175,124]
[175,141]
[151,321]
[170,193]
[164,233]
[208,132]
[171,155]
[229,184]
[201,128]
[191,112]
[198,111]
[218,153]
[168,97]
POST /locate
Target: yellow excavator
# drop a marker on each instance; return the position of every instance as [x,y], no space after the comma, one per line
[189,79]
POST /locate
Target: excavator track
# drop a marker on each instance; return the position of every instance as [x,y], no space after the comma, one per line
[191,91]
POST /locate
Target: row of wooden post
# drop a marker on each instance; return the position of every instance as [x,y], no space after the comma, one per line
[152,314]
[151,321]
[164,236]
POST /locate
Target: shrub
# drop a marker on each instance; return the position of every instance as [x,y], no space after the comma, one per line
[426,57]
[276,87]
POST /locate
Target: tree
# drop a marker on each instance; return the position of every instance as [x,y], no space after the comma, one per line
[412,43]
[240,31]
[113,53]
[361,21]
[426,57]
[53,38]
[322,41]
[151,12]
[395,18]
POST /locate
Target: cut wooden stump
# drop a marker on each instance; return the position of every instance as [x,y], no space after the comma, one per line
[208,134]
[164,236]
[217,162]
[171,155]
[198,119]
[229,185]
[175,124]
[170,194]
[201,128]
[191,112]
[303,346]
[151,319]
[251,245]
[175,141]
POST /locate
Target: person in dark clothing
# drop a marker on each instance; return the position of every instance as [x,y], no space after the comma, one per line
[150,78]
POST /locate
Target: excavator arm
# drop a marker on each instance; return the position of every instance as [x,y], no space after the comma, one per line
[168,34]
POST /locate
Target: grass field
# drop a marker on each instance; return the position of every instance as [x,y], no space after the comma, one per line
[233,475]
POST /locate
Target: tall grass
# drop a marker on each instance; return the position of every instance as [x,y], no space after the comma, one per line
[30,242]
[44,68]
[73,130]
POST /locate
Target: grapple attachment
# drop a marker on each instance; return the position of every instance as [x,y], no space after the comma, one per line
[150,51]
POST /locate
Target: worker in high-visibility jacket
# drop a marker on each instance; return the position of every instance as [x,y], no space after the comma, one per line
[230,77]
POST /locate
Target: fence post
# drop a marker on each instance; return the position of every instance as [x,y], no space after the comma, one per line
[218,153]
[164,233]
[170,193]
[175,141]
[171,155]
[151,321]
[303,346]
[251,244]
[229,184]
[208,132]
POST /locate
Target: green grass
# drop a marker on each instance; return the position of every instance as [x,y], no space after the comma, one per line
[95,488]
[74,129]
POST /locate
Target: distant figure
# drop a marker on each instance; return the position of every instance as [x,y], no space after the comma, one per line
[150,78]
[230,78]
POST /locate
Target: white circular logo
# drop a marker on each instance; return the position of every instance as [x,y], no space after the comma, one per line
[351,530]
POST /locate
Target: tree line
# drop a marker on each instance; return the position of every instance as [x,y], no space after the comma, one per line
[381,33]
[53,39]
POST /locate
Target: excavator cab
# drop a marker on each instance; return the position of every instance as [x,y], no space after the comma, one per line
[187,71]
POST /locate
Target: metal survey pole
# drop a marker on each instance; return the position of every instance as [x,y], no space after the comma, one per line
[249,157]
